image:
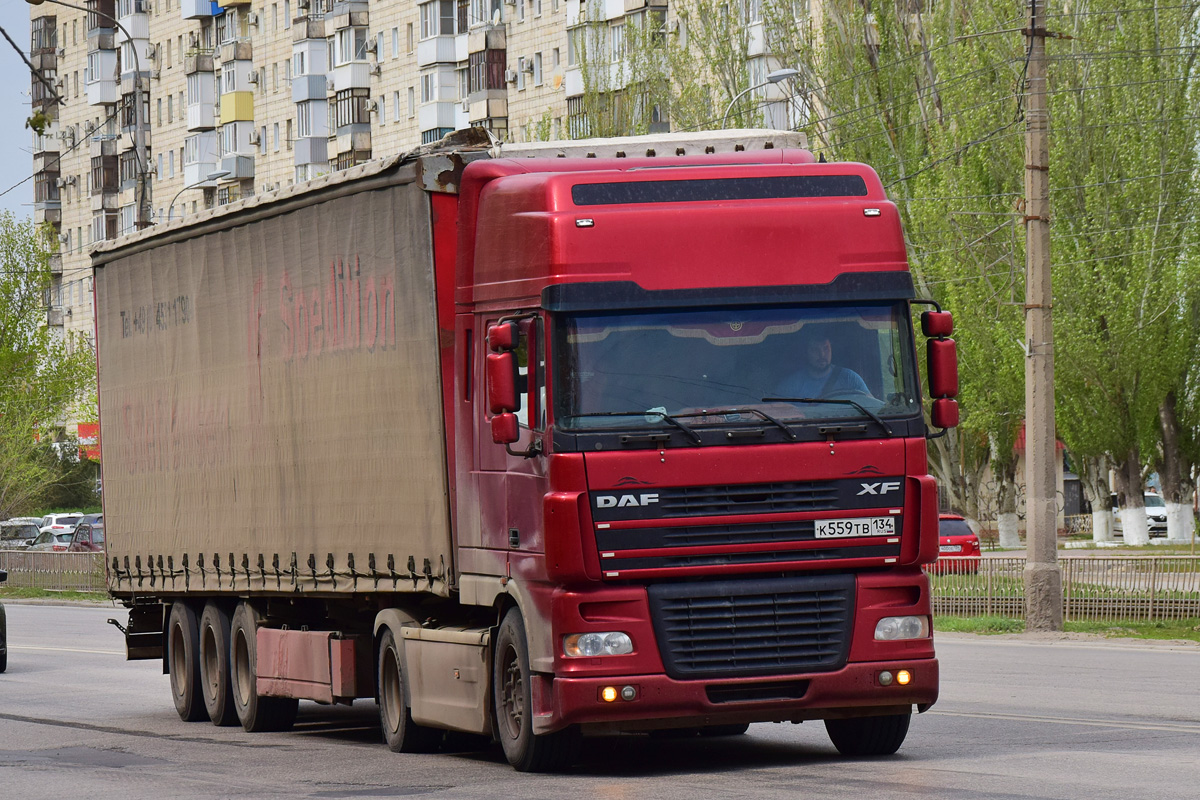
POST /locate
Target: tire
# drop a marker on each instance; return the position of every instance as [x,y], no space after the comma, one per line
[512,702]
[256,712]
[214,666]
[868,736]
[183,660]
[395,717]
[725,730]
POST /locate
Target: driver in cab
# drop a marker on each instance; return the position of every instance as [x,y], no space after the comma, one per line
[818,376]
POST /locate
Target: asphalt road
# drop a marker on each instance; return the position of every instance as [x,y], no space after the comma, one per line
[1018,718]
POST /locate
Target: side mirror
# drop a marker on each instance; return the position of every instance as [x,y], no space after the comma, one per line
[502,383]
[3,575]
[503,336]
[944,413]
[505,429]
[936,324]
[942,362]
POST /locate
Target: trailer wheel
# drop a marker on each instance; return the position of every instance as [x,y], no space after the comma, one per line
[401,733]
[183,660]
[868,736]
[511,695]
[214,665]
[256,712]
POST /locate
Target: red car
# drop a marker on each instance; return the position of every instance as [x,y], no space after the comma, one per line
[958,547]
[88,538]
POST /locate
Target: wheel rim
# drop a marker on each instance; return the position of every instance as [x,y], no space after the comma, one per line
[178,660]
[212,667]
[241,670]
[512,693]
[390,695]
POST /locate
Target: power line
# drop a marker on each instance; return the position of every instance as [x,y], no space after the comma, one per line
[59,158]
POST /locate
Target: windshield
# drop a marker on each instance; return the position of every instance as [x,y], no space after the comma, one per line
[792,363]
[1155,501]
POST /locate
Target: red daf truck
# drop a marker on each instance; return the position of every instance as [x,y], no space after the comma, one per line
[531,442]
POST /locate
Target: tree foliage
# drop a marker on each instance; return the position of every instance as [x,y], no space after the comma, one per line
[44,376]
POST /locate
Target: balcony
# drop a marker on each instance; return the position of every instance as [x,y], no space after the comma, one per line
[103,87]
[134,16]
[54,316]
[237,106]
[489,37]
[239,167]
[198,61]
[308,87]
[438,50]
[311,150]
[308,28]
[573,79]
[437,115]
[201,154]
[241,50]
[354,75]
[198,9]
[56,267]
[201,116]
[490,104]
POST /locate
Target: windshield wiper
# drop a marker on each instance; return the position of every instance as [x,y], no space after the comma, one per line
[838,400]
[695,437]
[712,411]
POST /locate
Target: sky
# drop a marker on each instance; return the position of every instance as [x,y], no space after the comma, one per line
[16,161]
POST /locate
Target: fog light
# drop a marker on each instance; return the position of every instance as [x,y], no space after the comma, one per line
[885,679]
[587,645]
[891,629]
[904,677]
[608,694]
[628,693]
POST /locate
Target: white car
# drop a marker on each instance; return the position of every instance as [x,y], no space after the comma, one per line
[60,523]
[1156,515]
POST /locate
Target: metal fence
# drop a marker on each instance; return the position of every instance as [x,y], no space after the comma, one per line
[75,572]
[1117,588]
[1123,588]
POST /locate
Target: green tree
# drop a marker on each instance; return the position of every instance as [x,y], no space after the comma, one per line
[1122,101]
[44,376]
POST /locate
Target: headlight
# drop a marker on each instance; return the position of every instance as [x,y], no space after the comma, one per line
[891,629]
[587,645]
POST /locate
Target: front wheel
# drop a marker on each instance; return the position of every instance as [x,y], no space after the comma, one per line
[511,695]
[183,658]
[868,736]
[401,733]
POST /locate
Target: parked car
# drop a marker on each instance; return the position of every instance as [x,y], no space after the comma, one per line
[3,630]
[1156,515]
[60,523]
[49,540]
[88,537]
[958,546]
[17,534]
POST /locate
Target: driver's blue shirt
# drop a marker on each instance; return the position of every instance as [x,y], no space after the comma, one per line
[801,384]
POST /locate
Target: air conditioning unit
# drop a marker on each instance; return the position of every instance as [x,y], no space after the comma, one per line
[156,74]
[527,65]
[372,106]
[303,4]
[251,18]
[60,52]
[510,76]
[376,69]
[152,53]
[89,127]
[60,182]
[254,138]
[252,77]
[466,105]
[372,45]
[64,238]
[672,26]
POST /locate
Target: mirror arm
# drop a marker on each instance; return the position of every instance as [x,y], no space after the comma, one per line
[534,449]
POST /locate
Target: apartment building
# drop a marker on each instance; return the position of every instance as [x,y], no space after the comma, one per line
[245,96]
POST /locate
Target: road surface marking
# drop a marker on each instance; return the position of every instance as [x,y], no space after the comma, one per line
[64,649]
[1183,727]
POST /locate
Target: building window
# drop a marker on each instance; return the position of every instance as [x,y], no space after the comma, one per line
[395,43]
[486,70]
[428,87]
[262,140]
[304,120]
[537,69]
[381,107]
[287,139]
[412,102]
[396,106]
[275,137]
[287,13]
[298,63]
[409,32]
[351,107]
[351,45]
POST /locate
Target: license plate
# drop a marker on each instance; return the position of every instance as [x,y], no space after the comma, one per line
[950,548]
[857,526]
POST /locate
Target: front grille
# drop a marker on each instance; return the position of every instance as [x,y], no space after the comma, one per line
[666,560]
[741,628]
[667,502]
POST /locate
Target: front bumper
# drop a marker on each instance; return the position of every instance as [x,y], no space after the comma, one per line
[663,702]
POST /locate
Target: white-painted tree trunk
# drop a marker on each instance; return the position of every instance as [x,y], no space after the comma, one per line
[1133,524]
[1009,537]
[1180,522]
[1102,526]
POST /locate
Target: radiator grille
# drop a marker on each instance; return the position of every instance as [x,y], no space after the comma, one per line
[753,627]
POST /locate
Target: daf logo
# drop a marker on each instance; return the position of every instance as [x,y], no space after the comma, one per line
[880,488]
[613,501]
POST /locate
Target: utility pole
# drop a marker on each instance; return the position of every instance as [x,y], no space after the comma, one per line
[1043,580]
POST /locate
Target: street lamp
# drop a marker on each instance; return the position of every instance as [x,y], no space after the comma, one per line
[774,77]
[210,178]
[139,135]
